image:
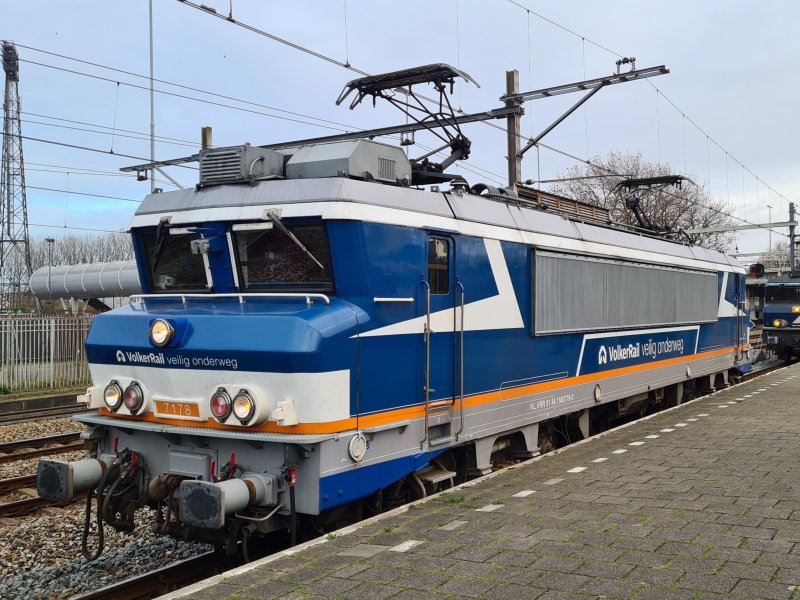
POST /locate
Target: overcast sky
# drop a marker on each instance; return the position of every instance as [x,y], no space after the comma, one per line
[734,74]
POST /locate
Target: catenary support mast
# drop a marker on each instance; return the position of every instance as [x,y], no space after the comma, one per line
[15,255]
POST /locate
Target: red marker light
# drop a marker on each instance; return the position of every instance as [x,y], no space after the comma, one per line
[116,445]
[212,471]
[292,479]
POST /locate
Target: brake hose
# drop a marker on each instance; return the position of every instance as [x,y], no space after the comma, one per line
[113,472]
[88,516]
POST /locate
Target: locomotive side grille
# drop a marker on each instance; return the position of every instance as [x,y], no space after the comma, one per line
[616,294]
[386,168]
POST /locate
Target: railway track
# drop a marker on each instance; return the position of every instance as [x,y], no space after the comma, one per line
[162,580]
[13,484]
[27,506]
[31,448]
[42,446]
[39,414]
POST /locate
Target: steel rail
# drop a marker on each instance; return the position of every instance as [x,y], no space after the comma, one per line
[33,414]
[61,438]
[160,580]
[43,446]
[15,483]
[21,508]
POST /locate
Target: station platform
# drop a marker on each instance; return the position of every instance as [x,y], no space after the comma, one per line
[700,501]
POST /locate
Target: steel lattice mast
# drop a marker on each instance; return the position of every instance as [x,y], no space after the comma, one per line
[15,255]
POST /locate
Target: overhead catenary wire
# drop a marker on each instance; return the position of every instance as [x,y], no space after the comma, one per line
[532,12]
[530,69]
[350,67]
[81,171]
[98,150]
[169,83]
[230,19]
[114,127]
[77,170]
[342,127]
[471,168]
[675,106]
[346,127]
[159,138]
[75,193]
[64,171]
[105,133]
[585,107]
[75,228]
[339,128]
[658,126]
[346,42]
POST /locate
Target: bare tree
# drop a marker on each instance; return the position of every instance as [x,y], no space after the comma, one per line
[777,258]
[76,249]
[688,207]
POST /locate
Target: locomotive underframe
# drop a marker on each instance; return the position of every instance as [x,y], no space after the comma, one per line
[783,342]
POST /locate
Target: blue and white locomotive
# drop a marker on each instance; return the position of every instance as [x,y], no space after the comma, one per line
[781,328]
[319,338]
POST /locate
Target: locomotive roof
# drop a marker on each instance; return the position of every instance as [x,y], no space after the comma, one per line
[345,198]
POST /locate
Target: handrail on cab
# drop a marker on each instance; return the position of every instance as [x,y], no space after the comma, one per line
[140,298]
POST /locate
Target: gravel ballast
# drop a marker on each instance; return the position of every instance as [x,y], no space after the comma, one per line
[40,555]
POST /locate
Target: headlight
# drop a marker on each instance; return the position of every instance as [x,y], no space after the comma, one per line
[133,398]
[243,406]
[161,332]
[780,323]
[112,396]
[221,405]
[796,309]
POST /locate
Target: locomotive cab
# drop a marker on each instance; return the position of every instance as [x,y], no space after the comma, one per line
[781,328]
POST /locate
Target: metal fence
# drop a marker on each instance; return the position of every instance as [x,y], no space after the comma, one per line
[43,351]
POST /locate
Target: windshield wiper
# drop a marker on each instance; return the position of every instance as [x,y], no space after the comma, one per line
[160,239]
[272,215]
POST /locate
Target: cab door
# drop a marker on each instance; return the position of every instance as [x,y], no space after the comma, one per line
[441,338]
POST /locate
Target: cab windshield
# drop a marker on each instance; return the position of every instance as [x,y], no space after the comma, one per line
[171,265]
[782,293]
[269,259]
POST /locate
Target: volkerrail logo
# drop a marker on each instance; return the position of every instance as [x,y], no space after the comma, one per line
[176,360]
[140,358]
[619,352]
[609,350]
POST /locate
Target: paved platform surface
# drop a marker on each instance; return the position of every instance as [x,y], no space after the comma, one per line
[702,501]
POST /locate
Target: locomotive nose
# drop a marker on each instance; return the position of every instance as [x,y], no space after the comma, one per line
[262,333]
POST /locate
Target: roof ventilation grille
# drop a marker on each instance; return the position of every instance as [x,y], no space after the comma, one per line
[238,164]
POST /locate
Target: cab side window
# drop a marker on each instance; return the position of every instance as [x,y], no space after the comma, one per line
[439,265]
